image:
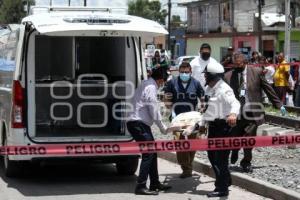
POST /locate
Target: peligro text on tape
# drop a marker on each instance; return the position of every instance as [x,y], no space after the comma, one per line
[152,146]
[232,143]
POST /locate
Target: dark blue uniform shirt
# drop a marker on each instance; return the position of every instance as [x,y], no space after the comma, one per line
[184,99]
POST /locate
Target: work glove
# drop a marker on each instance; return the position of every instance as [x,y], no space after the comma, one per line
[283,110]
[189,130]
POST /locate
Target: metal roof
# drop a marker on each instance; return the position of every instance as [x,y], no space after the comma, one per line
[89,22]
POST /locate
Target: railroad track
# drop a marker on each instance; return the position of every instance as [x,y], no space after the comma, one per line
[285,122]
[288,108]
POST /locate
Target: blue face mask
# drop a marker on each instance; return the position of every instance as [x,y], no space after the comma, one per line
[185,77]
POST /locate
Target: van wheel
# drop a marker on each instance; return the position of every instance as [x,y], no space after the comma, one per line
[12,168]
[128,166]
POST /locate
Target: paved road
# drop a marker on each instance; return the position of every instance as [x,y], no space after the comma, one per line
[90,181]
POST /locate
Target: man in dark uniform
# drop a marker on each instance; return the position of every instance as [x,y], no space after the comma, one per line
[181,95]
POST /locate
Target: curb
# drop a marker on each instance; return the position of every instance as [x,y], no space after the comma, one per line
[256,186]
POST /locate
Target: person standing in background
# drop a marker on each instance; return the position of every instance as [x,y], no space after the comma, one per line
[227,60]
[164,62]
[254,58]
[281,78]
[297,85]
[269,71]
[294,71]
[156,59]
[200,62]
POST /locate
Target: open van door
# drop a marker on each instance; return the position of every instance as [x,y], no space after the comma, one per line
[82,70]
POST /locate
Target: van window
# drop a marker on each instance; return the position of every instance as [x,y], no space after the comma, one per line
[8,47]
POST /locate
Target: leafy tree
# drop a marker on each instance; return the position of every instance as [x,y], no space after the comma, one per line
[11,11]
[147,9]
[175,21]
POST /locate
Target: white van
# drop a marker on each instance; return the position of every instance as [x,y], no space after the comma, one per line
[65,76]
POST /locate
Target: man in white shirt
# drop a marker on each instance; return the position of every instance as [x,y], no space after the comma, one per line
[200,62]
[221,115]
[146,111]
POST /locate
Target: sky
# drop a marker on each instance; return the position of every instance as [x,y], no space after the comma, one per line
[117,3]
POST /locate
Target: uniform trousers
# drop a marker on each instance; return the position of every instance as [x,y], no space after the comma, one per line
[148,166]
[219,158]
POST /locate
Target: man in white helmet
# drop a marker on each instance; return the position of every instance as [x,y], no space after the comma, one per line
[221,113]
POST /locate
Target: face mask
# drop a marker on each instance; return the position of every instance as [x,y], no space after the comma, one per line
[205,55]
[185,77]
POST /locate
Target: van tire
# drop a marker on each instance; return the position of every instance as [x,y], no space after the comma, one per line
[12,169]
[128,166]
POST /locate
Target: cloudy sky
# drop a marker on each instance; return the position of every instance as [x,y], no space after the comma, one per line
[116,3]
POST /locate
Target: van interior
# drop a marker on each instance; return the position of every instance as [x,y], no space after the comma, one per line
[79,85]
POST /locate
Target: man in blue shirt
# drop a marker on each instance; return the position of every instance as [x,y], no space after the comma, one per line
[181,95]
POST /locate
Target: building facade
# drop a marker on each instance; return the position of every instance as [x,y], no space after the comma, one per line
[223,23]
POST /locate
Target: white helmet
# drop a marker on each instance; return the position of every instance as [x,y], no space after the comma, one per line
[214,68]
[214,71]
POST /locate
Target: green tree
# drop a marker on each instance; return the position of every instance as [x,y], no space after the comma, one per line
[11,11]
[147,9]
[175,21]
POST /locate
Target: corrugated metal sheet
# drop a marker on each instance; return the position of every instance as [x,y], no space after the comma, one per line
[244,22]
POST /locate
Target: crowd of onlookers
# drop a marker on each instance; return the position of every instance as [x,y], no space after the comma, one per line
[282,75]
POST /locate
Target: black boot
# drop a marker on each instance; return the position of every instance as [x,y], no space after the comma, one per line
[160,187]
[246,166]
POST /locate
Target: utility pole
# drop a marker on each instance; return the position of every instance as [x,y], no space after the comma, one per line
[169,24]
[260,46]
[84,3]
[287,38]
[28,7]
